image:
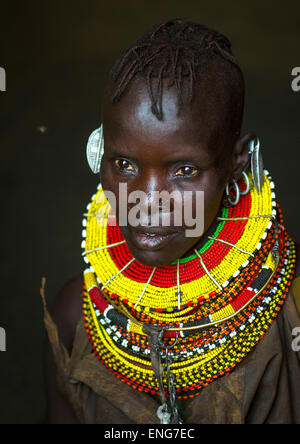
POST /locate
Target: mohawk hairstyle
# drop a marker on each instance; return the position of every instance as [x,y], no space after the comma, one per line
[174,50]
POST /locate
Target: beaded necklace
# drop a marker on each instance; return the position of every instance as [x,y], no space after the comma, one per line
[211,308]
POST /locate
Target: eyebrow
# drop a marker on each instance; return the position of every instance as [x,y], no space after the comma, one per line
[119,153]
[183,157]
[179,157]
[188,158]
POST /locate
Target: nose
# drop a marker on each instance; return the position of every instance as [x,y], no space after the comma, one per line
[145,196]
[151,195]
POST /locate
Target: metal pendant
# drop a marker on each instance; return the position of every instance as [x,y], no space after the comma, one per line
[163,414]
[95,149]
[168,411]
[256,165]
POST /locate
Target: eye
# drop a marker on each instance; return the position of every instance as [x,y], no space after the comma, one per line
[187,170]
[123,164]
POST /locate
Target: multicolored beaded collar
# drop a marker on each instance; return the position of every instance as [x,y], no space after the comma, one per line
[217,303]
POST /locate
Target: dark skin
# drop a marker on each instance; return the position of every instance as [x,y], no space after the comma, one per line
[133,133]
[137,152]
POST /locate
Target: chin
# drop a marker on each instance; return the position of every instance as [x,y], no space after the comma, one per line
[160,250]
[152,258]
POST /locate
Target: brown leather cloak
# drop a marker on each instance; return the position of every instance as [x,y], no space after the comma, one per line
[264,388]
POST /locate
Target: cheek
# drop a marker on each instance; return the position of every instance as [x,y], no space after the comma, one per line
[107,177]
[212,207]
[213,197]
[110,186]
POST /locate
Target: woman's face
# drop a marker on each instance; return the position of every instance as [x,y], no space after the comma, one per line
[177,154]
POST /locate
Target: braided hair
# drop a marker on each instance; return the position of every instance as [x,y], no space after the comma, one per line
[175,50]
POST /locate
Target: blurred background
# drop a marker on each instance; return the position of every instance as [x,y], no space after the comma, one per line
[57,55]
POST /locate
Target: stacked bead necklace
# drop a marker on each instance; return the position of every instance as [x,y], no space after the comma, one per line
[210,308]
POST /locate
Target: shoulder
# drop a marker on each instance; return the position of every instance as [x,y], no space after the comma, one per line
[67,309]
[296,282]
[65,313]
[297,271]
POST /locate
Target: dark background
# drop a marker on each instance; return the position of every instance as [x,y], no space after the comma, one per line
[57,55]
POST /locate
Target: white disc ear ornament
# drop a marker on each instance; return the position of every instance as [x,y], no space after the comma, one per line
[95,149]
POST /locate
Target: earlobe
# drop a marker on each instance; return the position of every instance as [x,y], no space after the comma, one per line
[241,155]
[247,152]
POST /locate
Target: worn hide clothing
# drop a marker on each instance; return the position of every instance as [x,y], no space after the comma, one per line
[264,388]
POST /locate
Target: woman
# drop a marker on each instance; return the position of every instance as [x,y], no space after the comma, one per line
[177,328]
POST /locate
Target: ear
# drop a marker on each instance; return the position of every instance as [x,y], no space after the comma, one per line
[240,155]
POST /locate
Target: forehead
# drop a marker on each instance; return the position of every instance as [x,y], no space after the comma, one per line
[132,118]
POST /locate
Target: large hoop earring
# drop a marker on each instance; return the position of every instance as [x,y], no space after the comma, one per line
[237,191]
[247,184]
[95,149]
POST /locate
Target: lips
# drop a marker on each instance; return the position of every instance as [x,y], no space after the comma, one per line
[152,238]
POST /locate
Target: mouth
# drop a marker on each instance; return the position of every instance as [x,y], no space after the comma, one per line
[152,238]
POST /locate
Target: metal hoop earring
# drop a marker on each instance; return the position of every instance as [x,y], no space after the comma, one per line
[237,191]
[247,184]
[95,149]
